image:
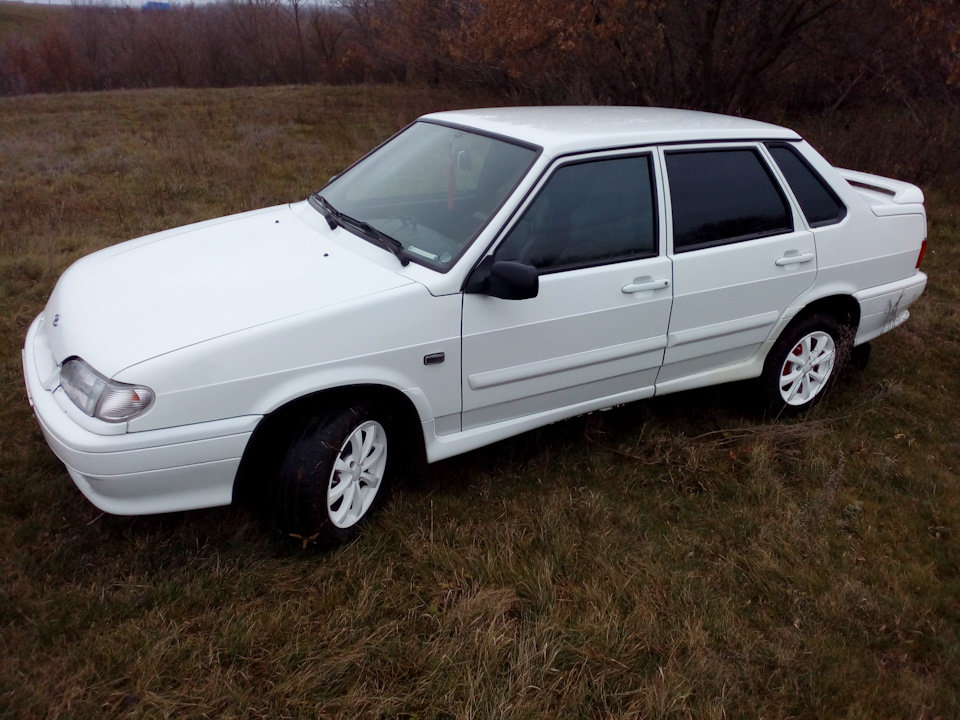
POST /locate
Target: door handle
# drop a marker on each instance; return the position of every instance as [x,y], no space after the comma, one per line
[642,284]
[795,258]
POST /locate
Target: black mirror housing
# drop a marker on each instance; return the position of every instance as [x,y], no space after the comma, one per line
[504,279]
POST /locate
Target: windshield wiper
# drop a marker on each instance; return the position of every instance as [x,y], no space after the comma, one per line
[327,210]
[334,217]
[387,241]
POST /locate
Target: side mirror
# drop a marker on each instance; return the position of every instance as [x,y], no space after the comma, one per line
[504,279]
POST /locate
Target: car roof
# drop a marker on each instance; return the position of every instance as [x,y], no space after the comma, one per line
[565,129]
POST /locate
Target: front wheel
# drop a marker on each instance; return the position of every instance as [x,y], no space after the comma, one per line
[334,475]
[802,365]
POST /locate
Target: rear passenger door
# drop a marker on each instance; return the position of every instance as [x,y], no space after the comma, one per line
[740,258]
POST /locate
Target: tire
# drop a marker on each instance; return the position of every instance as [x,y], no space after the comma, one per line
[803,364]
[335,475]
[860,356]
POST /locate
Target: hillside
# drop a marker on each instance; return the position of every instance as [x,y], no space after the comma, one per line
[27,19]
[675,558]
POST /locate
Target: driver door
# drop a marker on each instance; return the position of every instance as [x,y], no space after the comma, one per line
[595,333]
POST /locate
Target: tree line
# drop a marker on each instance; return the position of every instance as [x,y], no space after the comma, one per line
[724,55]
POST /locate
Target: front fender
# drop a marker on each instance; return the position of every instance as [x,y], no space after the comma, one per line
[381,340]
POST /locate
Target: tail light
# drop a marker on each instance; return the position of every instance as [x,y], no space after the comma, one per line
[923,251]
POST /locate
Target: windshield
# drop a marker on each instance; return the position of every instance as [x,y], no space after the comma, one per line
[432,188]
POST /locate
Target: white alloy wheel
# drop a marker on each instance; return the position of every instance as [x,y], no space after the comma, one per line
[807,368]
[335,474]
[357,474]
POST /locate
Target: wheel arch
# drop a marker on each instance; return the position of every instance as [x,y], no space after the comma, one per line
[270,439]
[843,308]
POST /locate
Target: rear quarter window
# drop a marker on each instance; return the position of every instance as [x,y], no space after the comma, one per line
[723,196]
[820,205]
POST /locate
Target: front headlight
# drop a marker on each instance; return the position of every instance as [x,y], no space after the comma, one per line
[101,397]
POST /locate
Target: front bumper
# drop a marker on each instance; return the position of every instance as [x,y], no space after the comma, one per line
[140,473]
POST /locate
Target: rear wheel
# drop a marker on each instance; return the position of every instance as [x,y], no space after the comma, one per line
[334,476]
[803,364]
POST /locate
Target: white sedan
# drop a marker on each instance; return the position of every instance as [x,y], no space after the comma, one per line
[480,274]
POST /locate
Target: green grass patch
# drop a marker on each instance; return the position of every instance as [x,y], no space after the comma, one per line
[674,558]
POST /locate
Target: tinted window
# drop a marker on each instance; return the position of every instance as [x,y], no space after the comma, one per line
[588,213]
[819,203]
[723,196]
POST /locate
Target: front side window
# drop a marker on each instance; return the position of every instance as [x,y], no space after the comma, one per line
[588,213]
[723,196]
[432,188]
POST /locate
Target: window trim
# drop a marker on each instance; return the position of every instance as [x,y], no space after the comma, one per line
[765,166]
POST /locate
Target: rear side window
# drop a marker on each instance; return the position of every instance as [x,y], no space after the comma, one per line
[819,203]
[723,196]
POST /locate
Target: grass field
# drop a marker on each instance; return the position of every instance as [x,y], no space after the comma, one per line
[27,19]
[676,558]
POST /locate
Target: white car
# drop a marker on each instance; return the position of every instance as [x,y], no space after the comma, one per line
[480,274]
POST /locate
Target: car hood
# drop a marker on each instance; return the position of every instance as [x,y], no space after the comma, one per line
[150,296]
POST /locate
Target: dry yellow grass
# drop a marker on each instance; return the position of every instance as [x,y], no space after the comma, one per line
[676,558]
[27,20]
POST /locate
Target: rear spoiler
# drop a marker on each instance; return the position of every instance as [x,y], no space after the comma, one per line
[896,191]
